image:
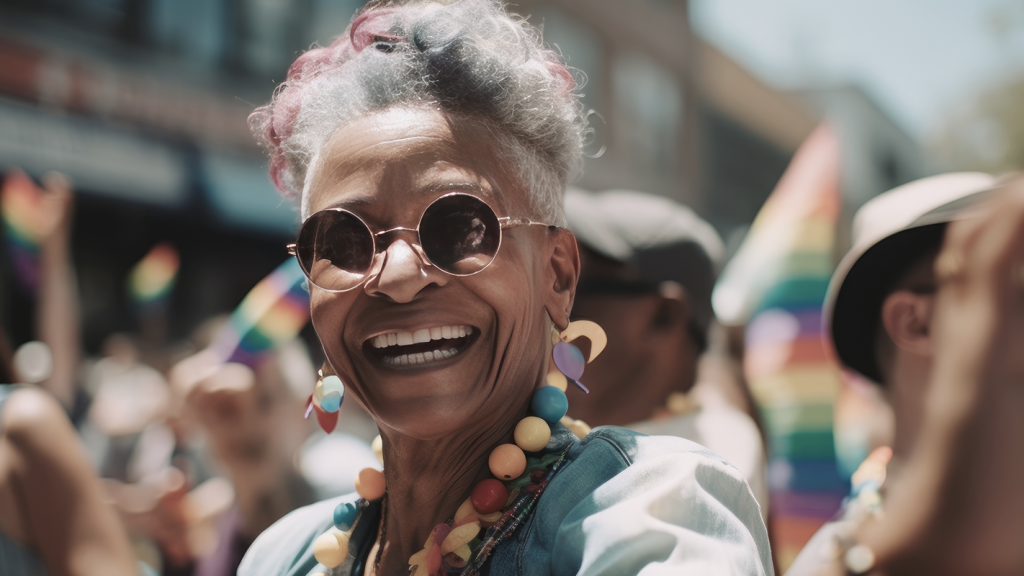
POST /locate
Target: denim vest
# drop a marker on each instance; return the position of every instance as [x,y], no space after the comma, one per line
[622,503]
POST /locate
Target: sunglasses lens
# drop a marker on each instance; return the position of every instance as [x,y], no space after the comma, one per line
[335,249]
[460,234]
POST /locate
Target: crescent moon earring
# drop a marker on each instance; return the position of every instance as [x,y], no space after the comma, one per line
[569,359]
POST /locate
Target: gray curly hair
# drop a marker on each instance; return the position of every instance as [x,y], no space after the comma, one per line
[467,57]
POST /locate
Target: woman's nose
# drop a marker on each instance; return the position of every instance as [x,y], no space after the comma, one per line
[403,272]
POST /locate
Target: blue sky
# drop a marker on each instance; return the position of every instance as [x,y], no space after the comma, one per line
[918,58]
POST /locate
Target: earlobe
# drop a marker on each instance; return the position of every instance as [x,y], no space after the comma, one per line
[563,271]
[906,317]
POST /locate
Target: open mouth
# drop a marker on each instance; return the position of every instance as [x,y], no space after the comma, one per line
[421,347]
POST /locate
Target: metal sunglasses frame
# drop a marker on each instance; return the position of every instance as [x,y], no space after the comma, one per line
[504,222]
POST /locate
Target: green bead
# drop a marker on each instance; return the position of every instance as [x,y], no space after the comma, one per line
[345,515]
[550,404]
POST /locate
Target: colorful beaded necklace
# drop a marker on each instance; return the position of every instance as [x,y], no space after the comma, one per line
[496,505]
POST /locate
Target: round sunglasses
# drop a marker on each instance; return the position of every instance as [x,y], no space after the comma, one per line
[458,233]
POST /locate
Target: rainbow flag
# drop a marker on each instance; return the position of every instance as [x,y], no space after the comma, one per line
[152,279]
[20,207]
[274,311]
[776,284]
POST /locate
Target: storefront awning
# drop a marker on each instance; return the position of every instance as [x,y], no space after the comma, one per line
[240,193]
[98,158]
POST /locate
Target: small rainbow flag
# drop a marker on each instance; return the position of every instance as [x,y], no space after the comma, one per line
[776,283]
[274,311]
[20,201]
[151,280]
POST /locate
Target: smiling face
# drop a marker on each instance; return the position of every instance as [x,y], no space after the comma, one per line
[430,354]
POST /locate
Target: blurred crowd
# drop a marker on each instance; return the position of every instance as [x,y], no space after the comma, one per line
[191,450]
[196,456]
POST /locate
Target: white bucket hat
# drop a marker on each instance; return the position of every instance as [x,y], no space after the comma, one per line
[890,232]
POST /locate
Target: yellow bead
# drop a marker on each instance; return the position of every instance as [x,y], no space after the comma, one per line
[318,392]
[378,448]
[556,379]
[579,428]
[331,548]
[507,461]
[532,434]
[370,484]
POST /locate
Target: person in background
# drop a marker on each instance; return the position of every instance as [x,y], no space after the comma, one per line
[648,268]
[57,309]
[957,506]
[251,421]
[880,310]
[54,518]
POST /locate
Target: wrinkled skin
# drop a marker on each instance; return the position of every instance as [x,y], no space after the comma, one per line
[438,421]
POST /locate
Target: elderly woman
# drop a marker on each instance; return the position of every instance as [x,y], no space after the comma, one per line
[430,146]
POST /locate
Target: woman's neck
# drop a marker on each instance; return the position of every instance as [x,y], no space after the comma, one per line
[427,481]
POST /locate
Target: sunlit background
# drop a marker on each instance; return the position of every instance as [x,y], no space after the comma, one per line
[143,103]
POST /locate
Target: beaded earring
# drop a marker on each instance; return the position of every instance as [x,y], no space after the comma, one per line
[326,399]
[454,544]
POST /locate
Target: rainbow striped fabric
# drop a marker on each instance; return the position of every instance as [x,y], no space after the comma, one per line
[274,311]
[777,283]
[151,280]
[20,209]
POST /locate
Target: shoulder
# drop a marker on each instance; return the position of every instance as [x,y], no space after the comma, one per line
[626,461]
[286,548]
[666,500]
[617,449]
[725,431]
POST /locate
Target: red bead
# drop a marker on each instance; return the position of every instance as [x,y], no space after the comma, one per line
[434,559]
[489,496]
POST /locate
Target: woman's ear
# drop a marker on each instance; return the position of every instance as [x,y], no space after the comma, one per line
[563,272]
[907,318]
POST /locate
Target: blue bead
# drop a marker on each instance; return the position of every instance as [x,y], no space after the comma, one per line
[331,402]
[550,404]
[345,515]
[333,394]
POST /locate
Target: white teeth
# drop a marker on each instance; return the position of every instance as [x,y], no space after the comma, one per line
[420,358]
[423,335]
[420,336]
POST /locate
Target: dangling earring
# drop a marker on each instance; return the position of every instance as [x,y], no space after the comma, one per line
[569,359]
[326,400]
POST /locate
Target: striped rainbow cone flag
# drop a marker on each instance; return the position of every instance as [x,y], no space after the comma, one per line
[274,311]
[777,283]
[20,210]
[152,279]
